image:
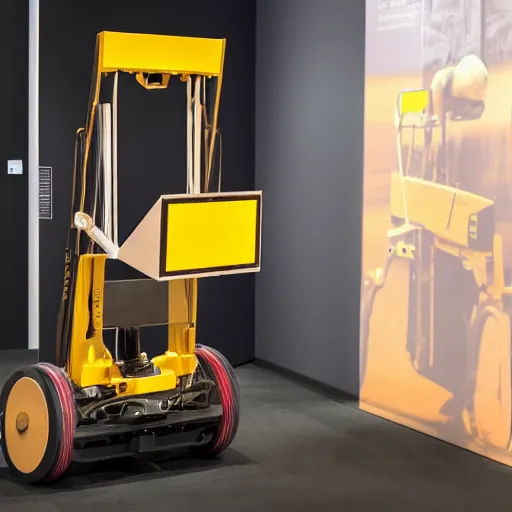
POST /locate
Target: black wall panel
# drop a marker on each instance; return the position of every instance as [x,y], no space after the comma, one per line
[14,188]
[152,145]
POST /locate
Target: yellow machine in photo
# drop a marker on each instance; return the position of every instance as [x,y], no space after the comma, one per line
[435,320]
[97,404]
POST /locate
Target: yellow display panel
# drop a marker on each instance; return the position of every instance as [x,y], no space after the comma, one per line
[217,234]
[412,102]
[119,51]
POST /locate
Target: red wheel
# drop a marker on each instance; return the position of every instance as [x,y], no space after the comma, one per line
[38,423]
[217,367]
[67,401]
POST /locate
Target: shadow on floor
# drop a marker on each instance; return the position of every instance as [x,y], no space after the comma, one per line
[121,471]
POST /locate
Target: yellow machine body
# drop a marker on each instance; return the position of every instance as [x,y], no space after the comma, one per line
[95,402]
[92,364]
[191,236]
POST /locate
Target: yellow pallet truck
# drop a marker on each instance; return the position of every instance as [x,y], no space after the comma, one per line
[93,404]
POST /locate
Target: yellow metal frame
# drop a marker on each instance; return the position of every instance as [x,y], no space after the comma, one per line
[89,362]
[147,53]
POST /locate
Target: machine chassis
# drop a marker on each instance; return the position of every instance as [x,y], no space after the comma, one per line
[93,404]
[108,428]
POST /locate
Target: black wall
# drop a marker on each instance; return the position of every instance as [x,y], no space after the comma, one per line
[309,147]
[152,146]
[14,188]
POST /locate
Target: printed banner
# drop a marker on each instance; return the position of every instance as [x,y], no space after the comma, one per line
[436,303]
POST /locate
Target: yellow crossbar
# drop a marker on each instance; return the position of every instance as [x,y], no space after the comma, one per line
[148,53]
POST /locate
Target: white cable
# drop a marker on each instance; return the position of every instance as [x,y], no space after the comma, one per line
[107,159]
[105,169]
[104,216]
[114,161]
[204,118]
[115,196]
[98,162]
[101,136]
[108,138]
[197,136]
[189,136]
[86,224]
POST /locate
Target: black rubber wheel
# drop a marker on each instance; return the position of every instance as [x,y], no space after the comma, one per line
[218,369]
[38,419]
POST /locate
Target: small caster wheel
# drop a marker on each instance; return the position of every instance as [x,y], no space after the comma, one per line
[218,369]
[37,423]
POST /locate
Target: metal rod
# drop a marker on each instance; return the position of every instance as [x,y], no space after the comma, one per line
[115,198]
[197,136]
[189,136]
[33,176]
[98,162]
[114,160]
[107,156]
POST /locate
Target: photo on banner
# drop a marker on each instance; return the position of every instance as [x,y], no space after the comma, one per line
[436,303]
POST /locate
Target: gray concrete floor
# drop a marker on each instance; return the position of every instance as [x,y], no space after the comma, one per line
[296,450]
